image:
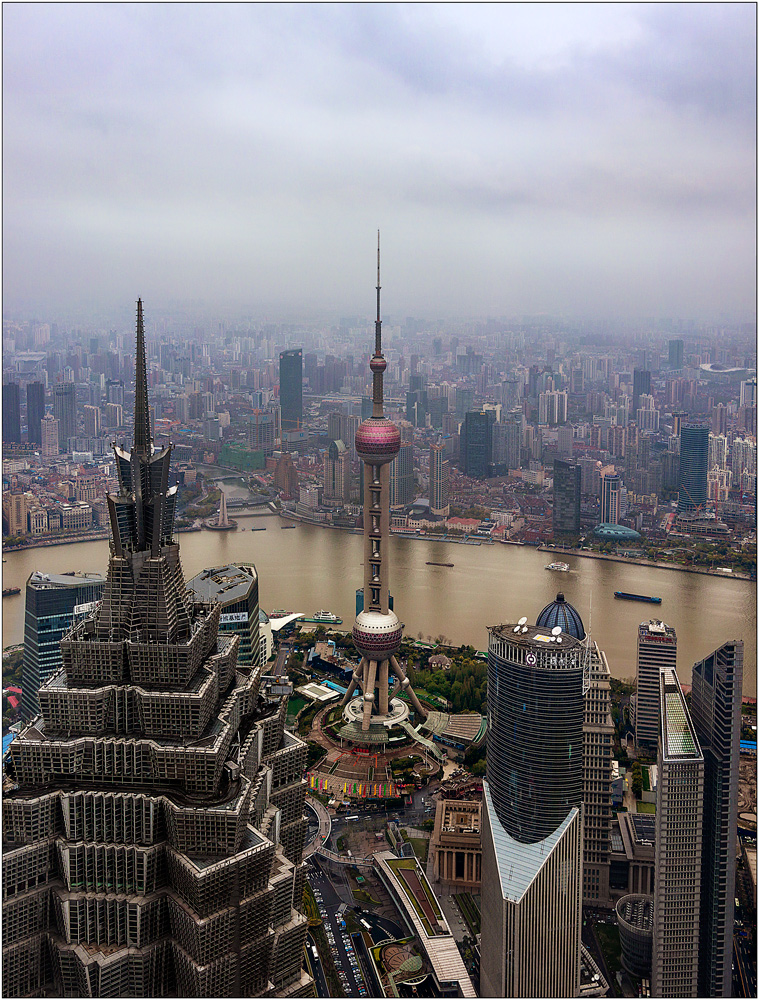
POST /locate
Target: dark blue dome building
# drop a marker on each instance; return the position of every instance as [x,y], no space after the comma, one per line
[560,613]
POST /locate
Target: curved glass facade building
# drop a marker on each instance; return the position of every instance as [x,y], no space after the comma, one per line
[535,734]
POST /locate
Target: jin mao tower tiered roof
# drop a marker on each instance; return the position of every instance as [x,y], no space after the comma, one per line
[153,811]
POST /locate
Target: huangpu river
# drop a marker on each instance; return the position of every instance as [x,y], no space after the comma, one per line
[308,568]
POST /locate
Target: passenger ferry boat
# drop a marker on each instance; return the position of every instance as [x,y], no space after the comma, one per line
[558,567]
[325,618]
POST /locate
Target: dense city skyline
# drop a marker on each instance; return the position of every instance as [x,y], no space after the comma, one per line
[214,789]
[586,161]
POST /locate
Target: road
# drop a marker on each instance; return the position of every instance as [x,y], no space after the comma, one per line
[320,979]
[325,827]
[746,966]
[283,655]
[343,951]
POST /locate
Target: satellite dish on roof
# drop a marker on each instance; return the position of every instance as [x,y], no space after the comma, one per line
[522,620]
[556,630]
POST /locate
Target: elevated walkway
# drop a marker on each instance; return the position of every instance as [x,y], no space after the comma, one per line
[428,745]
[338,859]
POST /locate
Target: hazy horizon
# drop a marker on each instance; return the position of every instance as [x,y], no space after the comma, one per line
[574,160]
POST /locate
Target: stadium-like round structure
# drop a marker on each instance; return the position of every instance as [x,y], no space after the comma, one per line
[635,914]
[615,533]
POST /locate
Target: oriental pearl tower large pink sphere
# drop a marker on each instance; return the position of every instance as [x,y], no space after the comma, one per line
[378,440]
[377,632]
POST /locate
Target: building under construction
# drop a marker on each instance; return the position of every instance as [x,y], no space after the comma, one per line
[153,811]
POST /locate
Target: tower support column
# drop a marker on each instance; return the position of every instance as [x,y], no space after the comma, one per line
[383,685]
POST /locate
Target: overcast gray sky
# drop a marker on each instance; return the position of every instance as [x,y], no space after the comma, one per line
[573,159]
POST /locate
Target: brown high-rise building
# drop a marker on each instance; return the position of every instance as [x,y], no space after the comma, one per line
[153,811]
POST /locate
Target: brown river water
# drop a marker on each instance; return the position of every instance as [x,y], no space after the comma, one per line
[308,568]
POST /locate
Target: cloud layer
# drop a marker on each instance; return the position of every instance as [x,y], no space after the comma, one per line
[587,160]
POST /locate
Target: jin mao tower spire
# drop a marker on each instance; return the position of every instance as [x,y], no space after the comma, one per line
[377,632]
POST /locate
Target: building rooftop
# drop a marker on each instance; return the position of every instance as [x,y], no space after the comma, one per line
[224,584]
[656,631]
[414,893]
[678,734]
[42,580]
[533,638]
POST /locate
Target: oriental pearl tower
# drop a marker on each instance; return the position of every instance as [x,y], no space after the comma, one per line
[377,632]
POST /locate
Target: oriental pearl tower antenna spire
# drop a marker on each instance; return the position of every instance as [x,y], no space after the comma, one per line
[377,632]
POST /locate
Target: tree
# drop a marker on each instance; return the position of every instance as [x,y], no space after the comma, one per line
[637,780]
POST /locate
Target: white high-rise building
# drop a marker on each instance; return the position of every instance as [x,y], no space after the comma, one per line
[748,393]
[743,456]
[49,427]
[439,503]
[717,458]
[552,407]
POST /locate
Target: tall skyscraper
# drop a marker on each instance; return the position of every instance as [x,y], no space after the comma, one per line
[552,407]
[402,476]
[35,411]
[532,813]
[114,391]
[51,601]
[154,833]
[337,473]
[716,712]
[50,446]
[566,498]
[694,459]
[611,498]
[657,650]
[91,421]
[719,419]
[439,482]
[677,879]
[641,386]
[676,354]
[748,393]
[377,631]
[477,443]
[11,412]
[291,389]
[64,411]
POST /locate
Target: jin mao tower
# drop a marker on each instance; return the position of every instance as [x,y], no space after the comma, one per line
[153,811]
[377,632]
